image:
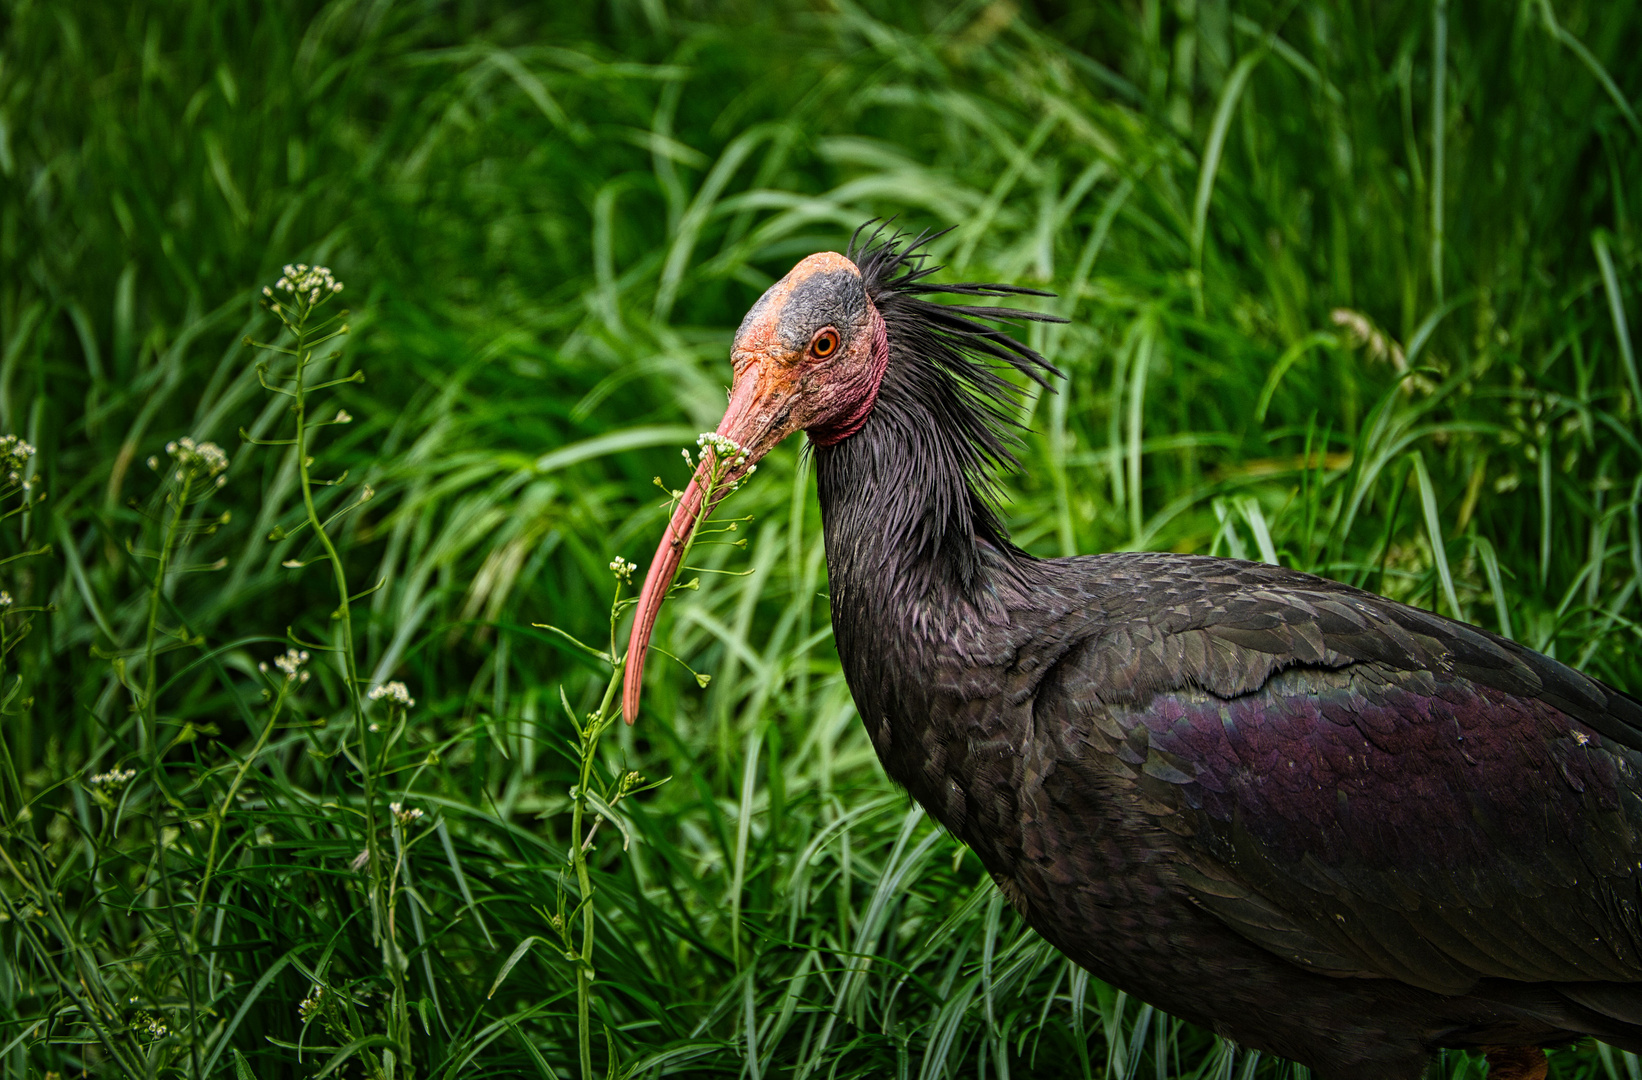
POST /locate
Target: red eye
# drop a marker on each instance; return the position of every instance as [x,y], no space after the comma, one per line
[825,344]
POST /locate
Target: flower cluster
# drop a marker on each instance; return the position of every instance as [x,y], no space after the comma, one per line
[306,282]
[721,445]
[726,454]
[113,780]
[195,458]
[623,569]
[312,1005]
[404,814]
[726,451]
[14,455]
[290,663]
[396,692]
[5,599]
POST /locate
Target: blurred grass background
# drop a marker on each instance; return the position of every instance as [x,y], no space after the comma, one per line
[1351,286]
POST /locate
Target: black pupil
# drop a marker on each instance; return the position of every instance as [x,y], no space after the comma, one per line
[824,344]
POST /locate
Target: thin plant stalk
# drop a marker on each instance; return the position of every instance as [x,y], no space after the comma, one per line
[588,736]
[192,462]
[167,546]
[221,814]
[344,616]
[310,289]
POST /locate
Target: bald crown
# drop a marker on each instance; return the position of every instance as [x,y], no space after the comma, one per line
[824,289]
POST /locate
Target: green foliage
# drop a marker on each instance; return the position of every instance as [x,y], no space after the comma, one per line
[1338,299]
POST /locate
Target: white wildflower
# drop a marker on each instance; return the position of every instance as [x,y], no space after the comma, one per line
[5,599]
[15,450]
[404,814]
[196,458]
[311,1005]
[396,692]
[14,457]
[113,780]
[291,663]
[309,284]
[726,451]
[623,569]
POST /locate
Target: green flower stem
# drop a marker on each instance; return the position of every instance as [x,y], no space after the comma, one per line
[304,351]
[150,735]
[221,815]
[381,925]
[9,815]
[150,716]
[589,748]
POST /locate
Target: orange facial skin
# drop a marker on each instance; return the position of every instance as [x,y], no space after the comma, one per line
[809,355]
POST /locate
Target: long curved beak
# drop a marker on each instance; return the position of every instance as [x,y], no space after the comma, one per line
[758,417]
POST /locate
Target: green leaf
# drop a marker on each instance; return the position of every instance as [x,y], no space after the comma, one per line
[513,958]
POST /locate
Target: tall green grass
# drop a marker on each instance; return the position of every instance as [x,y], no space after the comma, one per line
[1339,299]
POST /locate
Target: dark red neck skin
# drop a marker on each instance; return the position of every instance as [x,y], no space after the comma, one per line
[832,434]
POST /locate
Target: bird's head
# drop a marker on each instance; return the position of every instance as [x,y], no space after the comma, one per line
[809,356]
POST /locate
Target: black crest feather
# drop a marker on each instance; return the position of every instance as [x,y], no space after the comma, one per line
[943,403]
[950,338]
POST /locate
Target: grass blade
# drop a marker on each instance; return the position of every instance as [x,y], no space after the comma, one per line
[1433,530]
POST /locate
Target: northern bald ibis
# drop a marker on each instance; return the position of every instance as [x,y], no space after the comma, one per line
[1318,822]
